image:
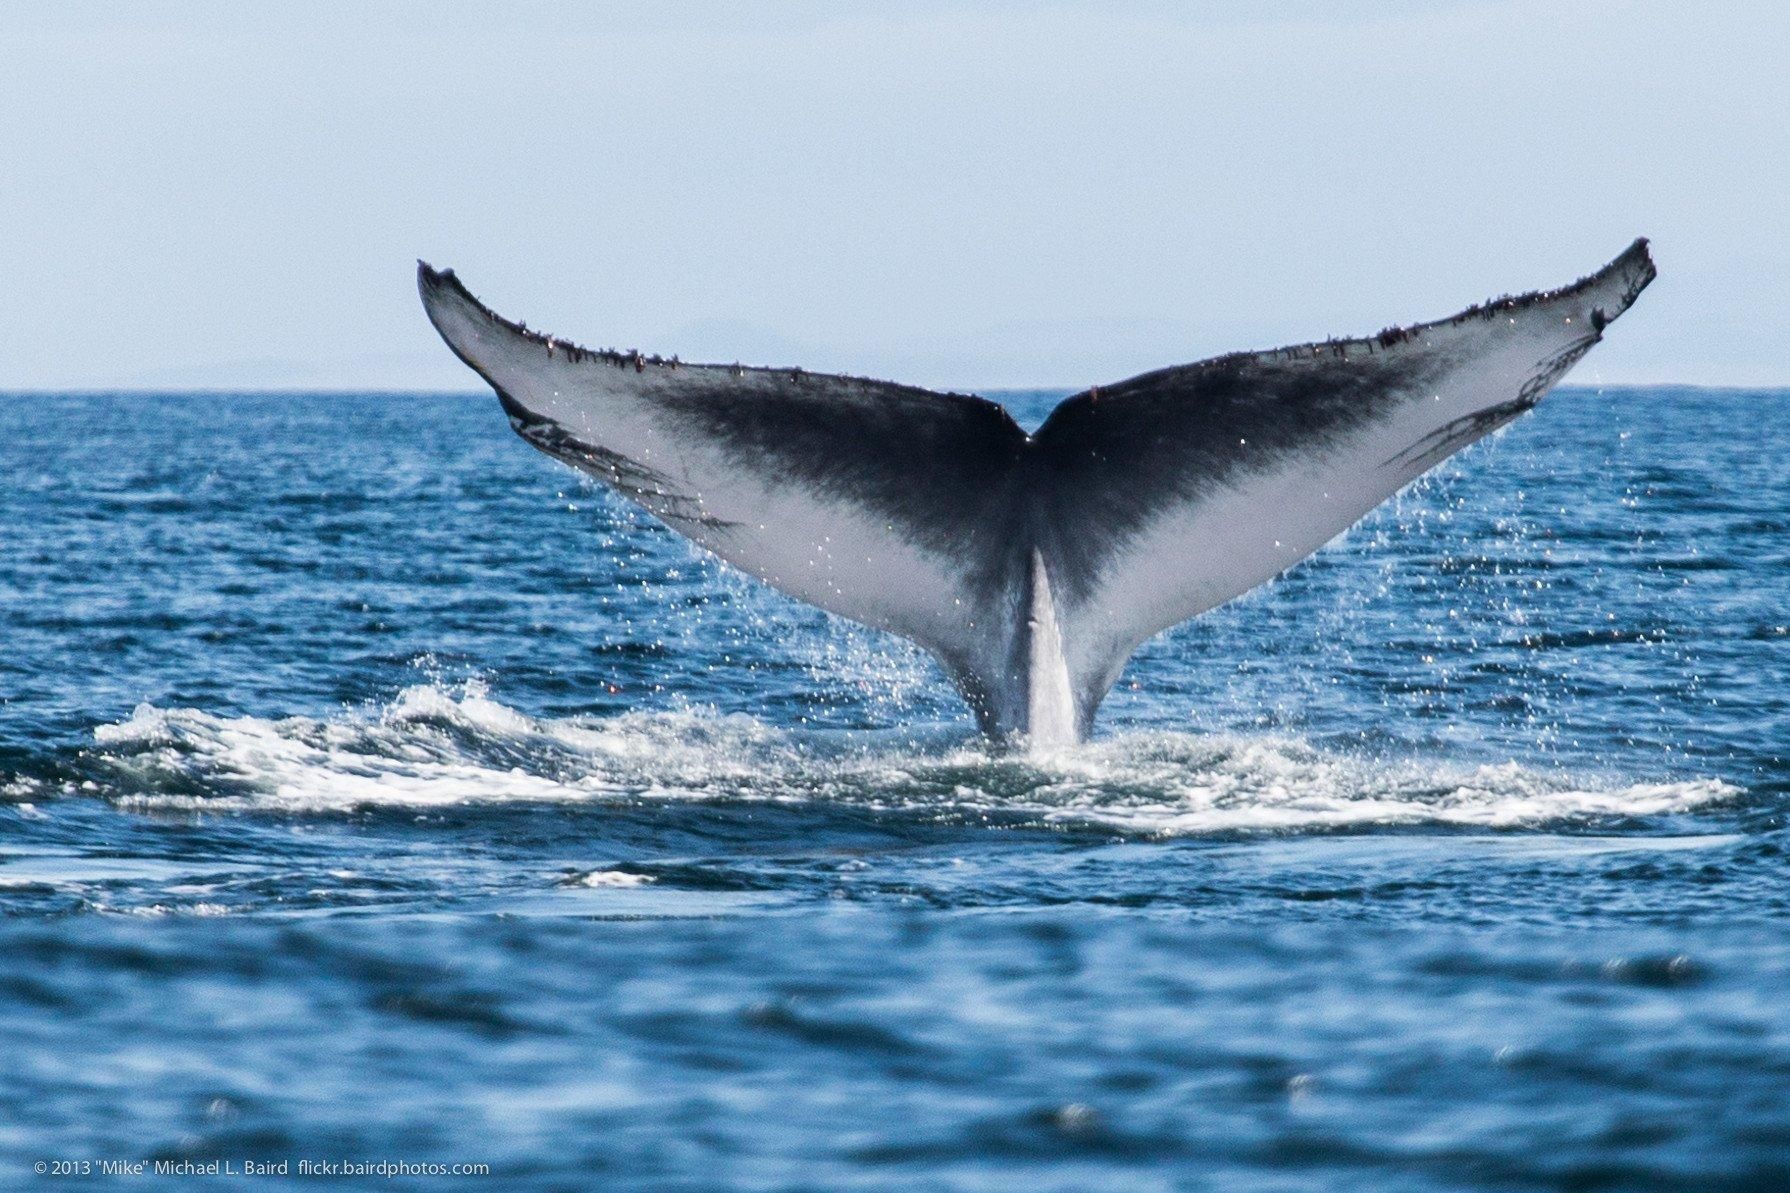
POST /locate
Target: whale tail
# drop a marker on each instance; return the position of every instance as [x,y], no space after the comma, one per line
[1032,566]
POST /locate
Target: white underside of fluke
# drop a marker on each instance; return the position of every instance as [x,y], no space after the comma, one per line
[1052,708]
[1132,508]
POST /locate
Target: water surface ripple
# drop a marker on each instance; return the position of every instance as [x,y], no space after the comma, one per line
[371,788]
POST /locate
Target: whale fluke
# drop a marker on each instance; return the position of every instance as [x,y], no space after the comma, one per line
[1032,566]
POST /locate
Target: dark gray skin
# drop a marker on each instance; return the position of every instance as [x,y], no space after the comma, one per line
[952,479]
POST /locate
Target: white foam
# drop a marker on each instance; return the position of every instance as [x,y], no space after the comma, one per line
[157,910]
[436,746]
[1174,785]
[609,878]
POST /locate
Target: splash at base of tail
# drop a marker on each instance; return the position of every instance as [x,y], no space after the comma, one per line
[1033,565]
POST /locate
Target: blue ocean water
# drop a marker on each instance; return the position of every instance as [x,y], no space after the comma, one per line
[372,789]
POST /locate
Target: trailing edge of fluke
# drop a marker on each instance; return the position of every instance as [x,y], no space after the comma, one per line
[1033,565]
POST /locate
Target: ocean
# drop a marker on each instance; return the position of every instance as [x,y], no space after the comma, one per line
[373,790]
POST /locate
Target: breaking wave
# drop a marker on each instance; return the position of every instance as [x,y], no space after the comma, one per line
[435,746]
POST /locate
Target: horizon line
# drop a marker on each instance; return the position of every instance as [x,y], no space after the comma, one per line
[389,391]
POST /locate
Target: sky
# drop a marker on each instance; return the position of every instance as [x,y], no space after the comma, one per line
[965,195]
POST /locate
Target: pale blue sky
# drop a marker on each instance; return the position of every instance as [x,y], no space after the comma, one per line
[949,193]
